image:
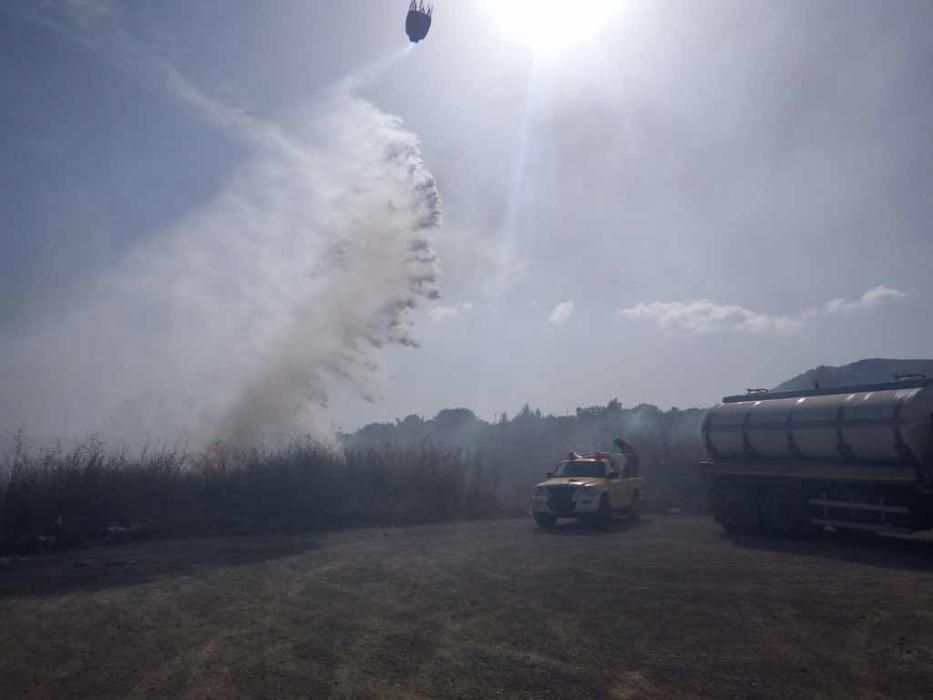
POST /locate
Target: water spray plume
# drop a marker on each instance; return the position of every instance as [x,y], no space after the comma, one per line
[228,324]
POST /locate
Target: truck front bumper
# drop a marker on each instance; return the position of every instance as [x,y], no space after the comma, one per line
[582,504]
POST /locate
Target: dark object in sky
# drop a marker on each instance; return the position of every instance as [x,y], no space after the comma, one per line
[418,21]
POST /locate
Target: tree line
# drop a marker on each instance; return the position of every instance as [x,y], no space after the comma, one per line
[518,451]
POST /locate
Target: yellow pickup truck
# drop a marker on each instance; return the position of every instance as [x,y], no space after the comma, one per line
[593,487]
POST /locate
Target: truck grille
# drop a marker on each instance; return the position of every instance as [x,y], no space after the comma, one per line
[560,498]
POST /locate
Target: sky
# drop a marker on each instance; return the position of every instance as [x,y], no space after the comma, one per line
[662,201]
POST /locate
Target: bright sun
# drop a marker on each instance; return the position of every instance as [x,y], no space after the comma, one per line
[548,26]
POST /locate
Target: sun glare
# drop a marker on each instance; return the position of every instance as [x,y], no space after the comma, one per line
[547,26]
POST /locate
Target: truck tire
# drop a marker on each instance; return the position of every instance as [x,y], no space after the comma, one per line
[736,509]
[633,512]
[784,513]
[603,517]
[545,520]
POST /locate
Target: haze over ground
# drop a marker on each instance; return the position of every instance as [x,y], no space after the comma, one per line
[691,200]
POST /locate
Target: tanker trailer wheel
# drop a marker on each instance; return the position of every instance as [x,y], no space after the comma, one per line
[784,512]
[736,508]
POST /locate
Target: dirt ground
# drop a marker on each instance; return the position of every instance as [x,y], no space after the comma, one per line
[667,608]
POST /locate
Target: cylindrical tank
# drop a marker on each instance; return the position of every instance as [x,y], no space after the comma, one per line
[882,423]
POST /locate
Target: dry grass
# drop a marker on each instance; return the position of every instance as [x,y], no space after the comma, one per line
[64,498]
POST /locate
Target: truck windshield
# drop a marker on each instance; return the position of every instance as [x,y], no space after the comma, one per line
[581,468]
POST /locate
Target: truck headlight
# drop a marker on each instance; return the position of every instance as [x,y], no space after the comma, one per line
[540,493]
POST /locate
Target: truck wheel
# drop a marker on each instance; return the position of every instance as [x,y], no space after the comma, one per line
[603,517]
[545,520]
[784,512]
[735,507]
[633,513]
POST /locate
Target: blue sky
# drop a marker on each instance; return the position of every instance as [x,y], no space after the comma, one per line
[692,199]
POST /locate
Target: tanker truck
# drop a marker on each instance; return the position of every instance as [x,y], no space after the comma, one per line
[792,463]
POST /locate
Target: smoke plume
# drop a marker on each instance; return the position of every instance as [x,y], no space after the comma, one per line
[228,325]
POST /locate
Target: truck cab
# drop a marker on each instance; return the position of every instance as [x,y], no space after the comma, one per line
[593,487]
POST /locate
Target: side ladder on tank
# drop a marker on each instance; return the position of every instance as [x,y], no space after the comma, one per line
[853,515]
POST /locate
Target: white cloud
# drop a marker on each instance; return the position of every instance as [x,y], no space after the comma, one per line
[561,313]
[702,316]
[442,313]
[876,296]
[705,316]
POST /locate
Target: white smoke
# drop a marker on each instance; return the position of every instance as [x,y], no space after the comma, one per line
[228,324]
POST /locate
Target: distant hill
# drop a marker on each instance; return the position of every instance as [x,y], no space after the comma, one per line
[871,371]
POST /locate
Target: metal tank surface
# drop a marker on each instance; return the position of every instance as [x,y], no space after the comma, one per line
[791,463]
[885,423]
